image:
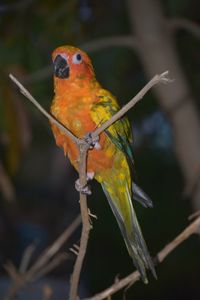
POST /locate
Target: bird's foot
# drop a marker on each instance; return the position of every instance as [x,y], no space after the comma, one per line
[90,175]
[93,142]
[82,189]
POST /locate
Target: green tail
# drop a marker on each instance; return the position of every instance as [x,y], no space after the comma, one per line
[132,234]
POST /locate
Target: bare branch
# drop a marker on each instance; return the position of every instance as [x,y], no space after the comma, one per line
[56,261]
[161,78]
[184,235]
[91,46]
[55,247]
[12,271]
[74,251]
[53,120]
[155,80]
[194,215]
[110,41]
[83,149]
[38,76]
[45,263]
[26,257]
[187,25]
[18,281]
[135,276]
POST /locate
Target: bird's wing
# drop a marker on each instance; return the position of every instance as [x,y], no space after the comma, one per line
[120,134]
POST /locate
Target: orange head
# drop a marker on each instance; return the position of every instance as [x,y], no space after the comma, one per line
[71,64]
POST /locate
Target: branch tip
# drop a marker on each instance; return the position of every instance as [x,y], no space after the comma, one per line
[165,79]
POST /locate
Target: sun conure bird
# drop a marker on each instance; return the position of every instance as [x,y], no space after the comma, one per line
[81,104]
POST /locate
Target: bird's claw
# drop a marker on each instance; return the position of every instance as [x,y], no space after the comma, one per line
[93,142]
[82,189]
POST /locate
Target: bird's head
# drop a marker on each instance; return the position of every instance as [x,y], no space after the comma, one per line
[71,64]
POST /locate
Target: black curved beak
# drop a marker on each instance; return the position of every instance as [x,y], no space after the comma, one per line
[61,67]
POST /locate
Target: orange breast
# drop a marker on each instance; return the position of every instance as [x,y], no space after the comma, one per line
[74,112]
[98,160]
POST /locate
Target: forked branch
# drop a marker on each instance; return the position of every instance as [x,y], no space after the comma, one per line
[83,147]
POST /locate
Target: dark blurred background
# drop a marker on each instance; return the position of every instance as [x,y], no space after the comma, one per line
[129,42]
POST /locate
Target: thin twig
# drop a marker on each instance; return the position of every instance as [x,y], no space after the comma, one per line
[110,41]
[53,120]
[83,149]
[194,215]
[26,257]
[74,251]
[161,78]
[55,247]
[135,276]
[12,271]
[56,261]
[184,235]
[17,281]
[185,24]
[45,263]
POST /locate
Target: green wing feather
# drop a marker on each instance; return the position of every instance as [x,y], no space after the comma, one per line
[119,132]
[120,135]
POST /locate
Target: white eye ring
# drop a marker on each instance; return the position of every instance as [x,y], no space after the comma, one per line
[77,58]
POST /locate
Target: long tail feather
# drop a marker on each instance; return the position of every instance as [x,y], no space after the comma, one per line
[141,244]
[133,238]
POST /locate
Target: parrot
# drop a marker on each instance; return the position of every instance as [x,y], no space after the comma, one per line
[81,104]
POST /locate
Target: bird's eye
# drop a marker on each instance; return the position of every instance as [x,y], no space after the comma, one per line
[77,58]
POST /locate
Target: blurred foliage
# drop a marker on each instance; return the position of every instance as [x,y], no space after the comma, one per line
[43,179]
